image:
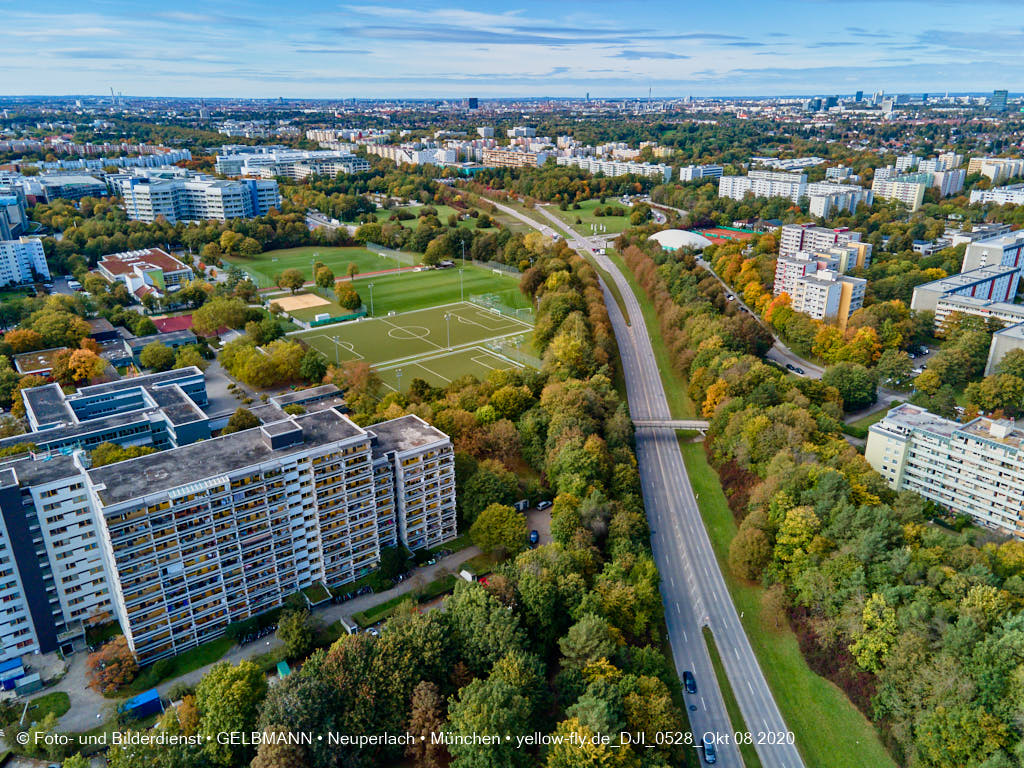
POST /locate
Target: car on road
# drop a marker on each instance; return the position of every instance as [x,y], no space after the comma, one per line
[798,371]
[689,682]
[542,505]
[790,367]
[710,755]
[534,538]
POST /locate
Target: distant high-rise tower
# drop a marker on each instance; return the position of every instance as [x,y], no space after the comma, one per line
[998,102]
[588,96]
[859,96]
[924,98]
[473,103]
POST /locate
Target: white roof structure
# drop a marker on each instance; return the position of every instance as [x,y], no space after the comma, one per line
[673,239]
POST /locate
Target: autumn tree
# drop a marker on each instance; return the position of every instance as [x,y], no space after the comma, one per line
[347,295]
[241,419]
[324,277]
[426,718]
[112,666]
[228,698]
[157,356]
[499,531]
[290,279]
[297,632]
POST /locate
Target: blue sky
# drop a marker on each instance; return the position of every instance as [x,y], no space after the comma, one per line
[511,48]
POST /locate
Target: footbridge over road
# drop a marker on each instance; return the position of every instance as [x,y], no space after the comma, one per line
[694,424]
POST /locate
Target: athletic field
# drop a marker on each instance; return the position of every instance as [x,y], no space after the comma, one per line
[408,290]
[264,267]
[438,344]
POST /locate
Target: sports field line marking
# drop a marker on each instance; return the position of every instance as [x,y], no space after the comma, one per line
[421,338]
[431,370]
[479,360]
[411,359]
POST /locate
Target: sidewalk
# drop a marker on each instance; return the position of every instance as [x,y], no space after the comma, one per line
[86,703]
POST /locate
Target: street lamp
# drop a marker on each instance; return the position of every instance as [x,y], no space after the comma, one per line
[462,295]
[398,373]
[371,299]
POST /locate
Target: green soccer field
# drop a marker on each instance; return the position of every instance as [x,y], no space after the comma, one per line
[264,267]
[405,291]
[389,340]
[442,369]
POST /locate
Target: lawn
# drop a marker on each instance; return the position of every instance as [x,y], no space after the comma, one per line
[672,380]
[182,664]
[265,266]
[611,224]
[403,291]
[443,212]
[830,732]
[376,613]
[57,702]
[873,418]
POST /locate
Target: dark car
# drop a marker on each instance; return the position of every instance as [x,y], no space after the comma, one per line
[790,367]
[798,371]
[689,682]
[534,538]
[710,756]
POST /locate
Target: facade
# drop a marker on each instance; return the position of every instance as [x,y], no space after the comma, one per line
[764,184]
[179,543]
[695,172]
[499,157]
[910,193]
[795,238]
[152,270]
[182,196]
[995,283]
[789,269]
[999,169]
[268,162]
[1009,195]
[1003,311]
[974,469]
[827,295]
[13,211]
[826,198]
[69,186]
[617,168]
[1006,250]
[1004,341]
[22,261]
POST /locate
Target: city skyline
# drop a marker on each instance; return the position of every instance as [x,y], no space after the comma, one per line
[412,49]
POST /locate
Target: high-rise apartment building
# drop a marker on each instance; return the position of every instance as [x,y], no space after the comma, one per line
[22,261]
[618,168]
[179,543]
[695,172]
[502,157]
[1012,194]
[764,184]
[998,101]
[999,169]
[795,238]
[974,469]
[828,295]
[184,196]
[991,283]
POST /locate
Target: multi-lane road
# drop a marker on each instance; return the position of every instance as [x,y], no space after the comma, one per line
[693,588]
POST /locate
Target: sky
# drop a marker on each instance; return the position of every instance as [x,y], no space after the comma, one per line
[509,48]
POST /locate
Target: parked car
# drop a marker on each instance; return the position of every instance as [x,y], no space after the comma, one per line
[534,538]
[689,682]
[542,505]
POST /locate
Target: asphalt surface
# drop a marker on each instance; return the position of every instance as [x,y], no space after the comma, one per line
[693,588]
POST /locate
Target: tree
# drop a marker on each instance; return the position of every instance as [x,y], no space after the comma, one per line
[157,355]
[290,279]
[895,367]
[77,760]
[190,355]
[313,367]
[878,634]
[109,453]
[749,552]
[577,746]
[352,270]
[23,340]
[324,277]
[295,629]
[276,751]
[228,698]
[145,327]
[112,666]
[347,295]
[426,718]
[482,630]
[241,419]
[499,531]
[76,366]
[488,706]
[249,247]
[589,639]
[856,384]
[219,313]
[491,483]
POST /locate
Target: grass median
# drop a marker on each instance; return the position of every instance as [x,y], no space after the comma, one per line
[830,732]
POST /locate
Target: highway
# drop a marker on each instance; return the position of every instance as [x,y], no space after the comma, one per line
[692,587]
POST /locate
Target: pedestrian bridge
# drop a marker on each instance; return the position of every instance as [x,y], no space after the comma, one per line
[694,424]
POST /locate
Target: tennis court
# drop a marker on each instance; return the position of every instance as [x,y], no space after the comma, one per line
[432,332]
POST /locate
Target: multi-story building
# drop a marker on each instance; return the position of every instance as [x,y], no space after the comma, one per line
[828,295]
[503,157]
[618,168]
[22,261]
[987,309]
[268,162]
[67,186]
[1012,194]
[826,197]
[521,132]
[809,237]
[999,169]
[908,192]
[1005,249]
[178,544]
[789,269]
[178,195]
[944,162]
[695,172]
[764,184]
[995,283]
[13,211]
[150,271]
[974,469]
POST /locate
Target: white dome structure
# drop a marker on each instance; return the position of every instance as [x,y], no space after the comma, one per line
[674,239]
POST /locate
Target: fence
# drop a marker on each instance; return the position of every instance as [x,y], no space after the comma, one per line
[498,266]
[402,257]
[504,303]
[513,349]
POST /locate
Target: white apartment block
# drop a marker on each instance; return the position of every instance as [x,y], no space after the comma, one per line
[178,544]
[618,168]
[521,132]
[503,157]
[999,169]
[695,172]
[826,197]
[944,162]
[907,163]
[764,184]
[791,164]
[829,296]
[795,238]
[1009,195]
[267,162]
[1006,250]
[974,469]
[789,269]
[181,196]
[1005,312]
[22,261]
[910,193]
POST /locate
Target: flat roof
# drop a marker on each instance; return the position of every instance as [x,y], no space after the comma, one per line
[164,338]
[968,278]
[179,407]
[40,360]
[914,417]
[1006,431]
[404,434]
[1014,331]
[150,258]
[158,472]
[150,379]
[48,404]
[303,395]
[44,469]
[100,325]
